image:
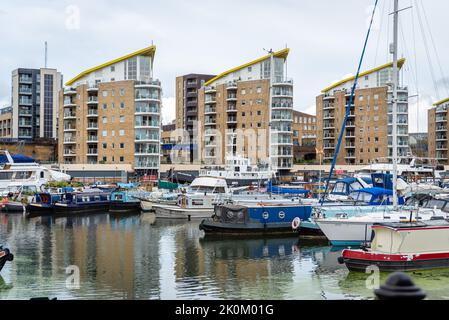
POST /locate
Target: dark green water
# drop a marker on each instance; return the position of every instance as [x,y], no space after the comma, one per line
[140,258]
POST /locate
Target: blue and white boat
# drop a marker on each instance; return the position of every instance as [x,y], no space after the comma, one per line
[261,218]
[360,202]
[123,201]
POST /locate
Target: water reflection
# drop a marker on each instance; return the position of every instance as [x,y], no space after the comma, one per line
[139,257]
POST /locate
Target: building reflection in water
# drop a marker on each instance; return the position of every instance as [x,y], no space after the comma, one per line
[137,257]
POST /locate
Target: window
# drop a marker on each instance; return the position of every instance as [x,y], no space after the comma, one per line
[376,150]
[105,120]
[259,90]
[113,133]
[366,77]
[361,98]
[243,91]
[112,68]
[259,112]
[104,133]
[122,133]
[105,106]
[105,93]
[258,101]
[122,105]
[243,114]
[376,139]
[122,92]
[105,159]
[376,118]
[122,159]
[376,97]
[250,69]
[243,102]
[105,145]
[112,119]
[122,119]
[259,125]
[122,145]
[376,108]
[243,126]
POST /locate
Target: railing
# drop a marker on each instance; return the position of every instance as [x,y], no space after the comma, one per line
[92,112]
[69,114]
[92,125]
[93,99]
[25,90]
[69,139]
[92,138]
[25,101]
[25,112]
[25,79]
[92,151]
[147,124]
[147,137]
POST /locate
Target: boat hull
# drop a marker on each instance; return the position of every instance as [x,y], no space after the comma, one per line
[36,209]
[146,205]
[359,260]
[124,207]
[81,209]
[175,212]
[215,227]
[346,234]
[5,256]
[12,207]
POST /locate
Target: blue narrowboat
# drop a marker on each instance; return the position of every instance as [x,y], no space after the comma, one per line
[255,219]
[83,203]
[124,202]
[43,203]
[5,255]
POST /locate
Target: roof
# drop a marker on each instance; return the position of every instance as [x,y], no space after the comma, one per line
[376,191]
[279,54]
[441,102]
[388,65]
[148,51]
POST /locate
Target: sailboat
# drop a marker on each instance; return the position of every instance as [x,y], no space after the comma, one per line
[349,228]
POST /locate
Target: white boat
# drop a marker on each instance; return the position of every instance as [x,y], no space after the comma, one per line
[239,172]
[24,174]
[345,230]
[198,202]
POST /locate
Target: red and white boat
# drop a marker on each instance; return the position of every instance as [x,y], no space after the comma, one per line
[403,247]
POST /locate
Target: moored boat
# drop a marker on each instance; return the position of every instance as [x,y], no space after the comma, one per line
[262,218]
[83,203]
[5,255]
[123,202]
[403,247]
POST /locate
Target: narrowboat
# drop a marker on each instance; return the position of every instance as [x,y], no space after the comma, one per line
[124,202]
[83,203]
[403,247]
[262,218]
[43,203]
[5,255]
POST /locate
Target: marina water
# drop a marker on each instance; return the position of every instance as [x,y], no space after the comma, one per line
[139,257]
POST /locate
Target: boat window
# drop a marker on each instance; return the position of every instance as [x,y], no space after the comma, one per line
[5,175]
[439,204]
[339,188]
[197,202]
[42,175]
[85,199]
[97,198]
[22,175]
[364,196]
[118,197]
[355,186]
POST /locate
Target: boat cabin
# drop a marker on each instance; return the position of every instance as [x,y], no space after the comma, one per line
[209,185]
[343,187]
[86,197]
[411,238]
[374,196]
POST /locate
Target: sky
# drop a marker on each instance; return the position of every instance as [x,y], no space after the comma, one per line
[325,40]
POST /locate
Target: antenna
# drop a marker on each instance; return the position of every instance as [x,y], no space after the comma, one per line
[46,54]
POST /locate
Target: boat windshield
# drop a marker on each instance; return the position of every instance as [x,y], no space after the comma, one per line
[204,189]
[361,196]
[435,203]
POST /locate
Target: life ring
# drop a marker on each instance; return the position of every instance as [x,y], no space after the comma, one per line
[296,223]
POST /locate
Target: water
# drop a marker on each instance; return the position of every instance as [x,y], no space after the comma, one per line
[138,257]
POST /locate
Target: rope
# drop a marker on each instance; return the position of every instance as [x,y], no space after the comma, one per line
[351,99]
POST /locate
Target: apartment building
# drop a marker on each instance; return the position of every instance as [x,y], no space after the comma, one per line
[438,131]
[111,114]
[35,103]
[304,136]
[247,111]
[368,133]
[6,123]
[187,87]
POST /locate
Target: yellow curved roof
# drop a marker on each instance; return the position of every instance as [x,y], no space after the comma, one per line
[388,65]
[441,102]
[279,54]
[148,51]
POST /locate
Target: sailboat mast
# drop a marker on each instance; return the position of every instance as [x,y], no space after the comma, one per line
[394,50]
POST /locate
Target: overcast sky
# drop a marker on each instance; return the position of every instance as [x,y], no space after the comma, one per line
[325,38]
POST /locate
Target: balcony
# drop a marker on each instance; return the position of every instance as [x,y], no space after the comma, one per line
[210,100]
[70,140]
[282,92]
[209,133]
[441,138]
[350,124]
[328,97]
[69,91]
[25,79]
[69,102]
[69,115]
[350,134]
[328,106]
[209,110]
[146,109]
[27,102]
[231,97]
[69,153]
[350,156]
[328,126]
[92,152]
[25,90]
[150,84]
[231,86]
[147,138]
[232,120]
[441,119]
[25,124]
[283,82]
[350,145]
[92,113]
[92,88]
[209,90]
[92,139]
[69,128]
[210,121]
[282,105]
[329,146]
[92,100]
[146,124]
[92,126]
[328,116]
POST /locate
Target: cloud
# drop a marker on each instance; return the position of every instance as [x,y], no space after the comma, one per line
[168,111]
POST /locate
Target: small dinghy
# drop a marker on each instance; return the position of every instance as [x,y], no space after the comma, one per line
[5,255]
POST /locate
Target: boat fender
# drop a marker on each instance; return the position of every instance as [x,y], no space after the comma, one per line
[4,202]
[296,223]
[341,260]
